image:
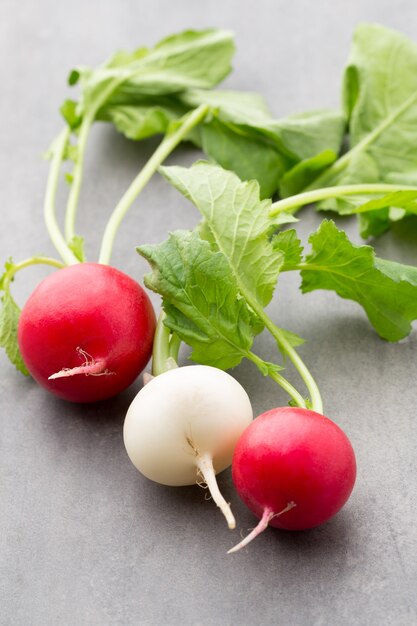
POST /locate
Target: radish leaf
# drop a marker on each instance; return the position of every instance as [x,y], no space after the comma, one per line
[380,102]
[235,222]
[386,290]
[288,244]
[201,299]
[9,319]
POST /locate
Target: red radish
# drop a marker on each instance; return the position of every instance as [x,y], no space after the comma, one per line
[294,468]
[86,332]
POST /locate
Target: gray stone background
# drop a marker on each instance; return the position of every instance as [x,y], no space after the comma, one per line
[84,538]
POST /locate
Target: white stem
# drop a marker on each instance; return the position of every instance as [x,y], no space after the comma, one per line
[205,465]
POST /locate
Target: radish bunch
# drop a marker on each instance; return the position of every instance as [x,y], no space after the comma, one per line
[87,330]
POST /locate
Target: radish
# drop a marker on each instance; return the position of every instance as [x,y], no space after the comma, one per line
[294,468]
[86,332]
[183,425]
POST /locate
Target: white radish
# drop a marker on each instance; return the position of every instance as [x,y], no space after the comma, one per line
[182,427]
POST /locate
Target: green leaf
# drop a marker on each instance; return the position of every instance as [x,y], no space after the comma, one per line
[400,199]
[374,224]
[201,299]
[192,59]
[292,338]
[4,278]
[9,319]
[69,111]
[246,153]
[288,244]
[380,101]
[243,136]
[76,245]
[308,134]
[305,172]
[144,118]
[71,152]
[299,136]
[235,222]
[376,215]
[267,368]
[387,291]
[237,107]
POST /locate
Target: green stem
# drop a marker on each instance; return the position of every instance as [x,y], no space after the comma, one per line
[289,350]
[280,380]
[174,346]
[34,260]
[310,383]
[74,193]
[165,348]
[165,355]
[50,195]
[293,203]
[84,132]
[168,144]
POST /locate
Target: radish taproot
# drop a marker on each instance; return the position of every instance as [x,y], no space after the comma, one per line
[183,425]
[86,332]
[294,469]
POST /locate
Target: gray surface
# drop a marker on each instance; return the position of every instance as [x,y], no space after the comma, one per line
[84,539]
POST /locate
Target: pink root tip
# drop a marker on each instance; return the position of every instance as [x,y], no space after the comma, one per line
[90,367]
[262,525]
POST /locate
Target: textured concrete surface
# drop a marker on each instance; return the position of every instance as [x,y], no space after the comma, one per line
[84,539]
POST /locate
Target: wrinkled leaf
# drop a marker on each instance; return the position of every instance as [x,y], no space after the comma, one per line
[9,319]
[380,102]
[235,222]
[289,245]
[406,200]
[143,119]
[305,172]
[201,299]
[247,153]
[386,290]
[191,59]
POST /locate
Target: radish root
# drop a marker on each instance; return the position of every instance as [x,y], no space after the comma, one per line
[263,524]
[90,367]
[205,468]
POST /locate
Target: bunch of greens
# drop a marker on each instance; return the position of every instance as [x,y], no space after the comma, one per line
[215,282]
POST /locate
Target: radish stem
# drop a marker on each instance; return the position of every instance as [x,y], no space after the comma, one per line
[165,350]
[205,465]
[34,260]
[165,355]
[281,381]
[294,203]
[74,193]
[50,195]
[168,144]
[84,132]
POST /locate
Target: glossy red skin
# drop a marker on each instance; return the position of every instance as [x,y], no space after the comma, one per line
[93,307]
[294,455]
